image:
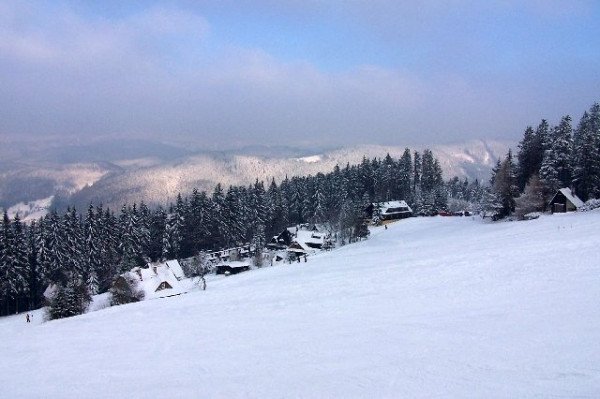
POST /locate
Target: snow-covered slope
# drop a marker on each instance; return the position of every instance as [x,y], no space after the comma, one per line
[431,307]
[30,211]
[159,182]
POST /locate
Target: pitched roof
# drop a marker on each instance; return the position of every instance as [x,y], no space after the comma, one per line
[384,206]
[234,264]
[151,278]
[172,265]
[569,195]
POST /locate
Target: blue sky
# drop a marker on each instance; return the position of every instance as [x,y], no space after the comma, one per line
[296,72]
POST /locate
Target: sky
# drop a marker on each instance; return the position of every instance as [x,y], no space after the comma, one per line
[299,72]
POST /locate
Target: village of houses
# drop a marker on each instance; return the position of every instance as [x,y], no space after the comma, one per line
[294,245]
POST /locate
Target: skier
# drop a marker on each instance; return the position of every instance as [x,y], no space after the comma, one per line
[27,318]
[304,258]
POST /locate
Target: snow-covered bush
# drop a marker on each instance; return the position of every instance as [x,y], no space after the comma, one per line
[591,204]
[71,300]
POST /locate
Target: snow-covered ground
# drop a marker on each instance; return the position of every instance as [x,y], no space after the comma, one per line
[30,211]
[431,307]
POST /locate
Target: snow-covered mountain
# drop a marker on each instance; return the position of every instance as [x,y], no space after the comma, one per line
[157,178]
[430,307]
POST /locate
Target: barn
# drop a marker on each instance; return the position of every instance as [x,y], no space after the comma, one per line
[564,201]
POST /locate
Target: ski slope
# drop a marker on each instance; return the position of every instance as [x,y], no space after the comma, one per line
[431,307]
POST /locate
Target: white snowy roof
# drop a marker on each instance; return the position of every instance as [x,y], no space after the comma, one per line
[151,278]
[173,265]
[50,291]
[310,237]
[175,268]
[385,206]
[234,264]
[571,197]
[303,247]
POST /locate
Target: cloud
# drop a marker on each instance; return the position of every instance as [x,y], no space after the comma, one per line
[165,72]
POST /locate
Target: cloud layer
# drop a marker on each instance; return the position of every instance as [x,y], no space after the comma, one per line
[386,72]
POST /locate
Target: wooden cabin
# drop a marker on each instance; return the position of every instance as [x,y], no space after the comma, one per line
[564,201]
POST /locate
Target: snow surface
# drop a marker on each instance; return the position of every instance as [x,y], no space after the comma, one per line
[431,307]
[30,211]
[311,159]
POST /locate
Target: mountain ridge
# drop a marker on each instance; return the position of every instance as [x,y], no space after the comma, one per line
[157,178]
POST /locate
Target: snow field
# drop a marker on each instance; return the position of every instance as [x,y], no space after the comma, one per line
[431,307]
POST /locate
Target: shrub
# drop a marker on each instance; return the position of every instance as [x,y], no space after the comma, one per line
[125,290]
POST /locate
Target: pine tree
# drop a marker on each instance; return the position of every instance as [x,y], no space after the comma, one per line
[92,252]
[556,169]
[35,279]
[130,244]
[586,155]
[19,269]
[529,156]
[505,185]
[405,170]
[416,172]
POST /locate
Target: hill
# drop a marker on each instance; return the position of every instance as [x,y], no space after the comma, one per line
[447,307]
[116,173]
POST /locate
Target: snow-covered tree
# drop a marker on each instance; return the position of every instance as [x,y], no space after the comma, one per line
[586,154]
[532,199]
[556,169]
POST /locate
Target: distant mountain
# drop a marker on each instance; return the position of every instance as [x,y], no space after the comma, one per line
[146,173]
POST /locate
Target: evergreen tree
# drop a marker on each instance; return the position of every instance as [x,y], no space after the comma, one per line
[586,155]
[130,244]
[35,279]
[505,185]
[92,253]
[529,156]
[19,270]
[556,170]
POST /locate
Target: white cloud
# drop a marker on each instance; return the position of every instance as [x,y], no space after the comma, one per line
[152,73]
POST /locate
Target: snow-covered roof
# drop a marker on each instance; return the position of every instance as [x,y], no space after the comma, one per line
[50,291]
[296,246]
[392,206]
[173,265]
[234,264]
[310,237]
[571,197]
[151,278]
[175,268]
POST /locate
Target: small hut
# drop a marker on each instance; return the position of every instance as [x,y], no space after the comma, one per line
[564,201]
